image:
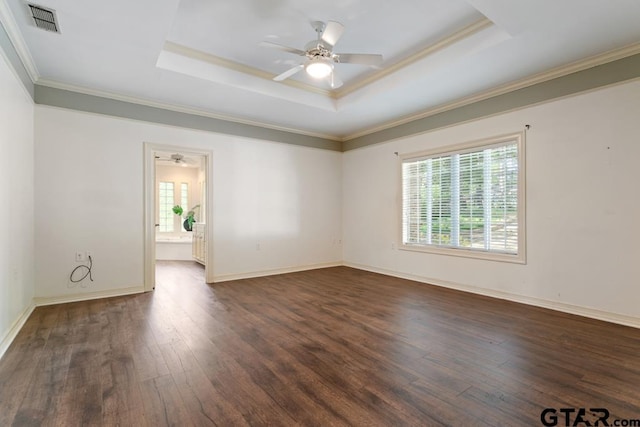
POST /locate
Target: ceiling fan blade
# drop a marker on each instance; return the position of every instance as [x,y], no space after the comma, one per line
[283,48]
[360,58]
[332,33]
[334,81]
[290,72]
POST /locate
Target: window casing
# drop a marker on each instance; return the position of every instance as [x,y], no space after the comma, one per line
[466,200]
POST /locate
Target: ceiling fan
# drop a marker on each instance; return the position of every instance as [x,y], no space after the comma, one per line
[177,159]
[320,57]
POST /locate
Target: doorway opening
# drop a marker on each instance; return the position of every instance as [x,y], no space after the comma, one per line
[178,217]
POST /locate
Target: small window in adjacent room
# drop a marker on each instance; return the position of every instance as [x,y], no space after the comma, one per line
[165,208]
[467,200]
[184,201]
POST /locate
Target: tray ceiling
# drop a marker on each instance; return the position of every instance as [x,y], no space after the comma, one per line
[204,56]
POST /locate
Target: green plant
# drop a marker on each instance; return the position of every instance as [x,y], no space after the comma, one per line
[177,209]
[190,216]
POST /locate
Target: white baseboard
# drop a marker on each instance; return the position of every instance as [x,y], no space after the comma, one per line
[537,302]
[553,305]
[40,301]
[250,275]
[15,328]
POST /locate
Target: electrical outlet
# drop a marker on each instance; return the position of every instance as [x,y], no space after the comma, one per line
[79,257]
[89,254]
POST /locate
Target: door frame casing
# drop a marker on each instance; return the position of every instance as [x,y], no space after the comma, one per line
[149,158]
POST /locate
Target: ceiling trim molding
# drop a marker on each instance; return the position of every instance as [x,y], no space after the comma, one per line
[11,27]
[46,95]
[595,77]
[555,73]
[11,57]
[239,67]
[177,108]
[602,70]
[460,35]
[348,88]
[217,60]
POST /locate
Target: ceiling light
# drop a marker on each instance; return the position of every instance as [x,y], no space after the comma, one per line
[319,67]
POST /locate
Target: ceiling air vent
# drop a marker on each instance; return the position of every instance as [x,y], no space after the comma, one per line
[44,18]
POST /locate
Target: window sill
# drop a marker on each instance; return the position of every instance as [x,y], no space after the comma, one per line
[467,253]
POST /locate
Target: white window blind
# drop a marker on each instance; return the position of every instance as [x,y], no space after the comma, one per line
[464,199]
[165,207]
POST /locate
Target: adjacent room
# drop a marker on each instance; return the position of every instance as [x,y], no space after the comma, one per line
[274,212]
[179,207]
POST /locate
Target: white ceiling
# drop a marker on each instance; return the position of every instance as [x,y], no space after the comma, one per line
[204,55]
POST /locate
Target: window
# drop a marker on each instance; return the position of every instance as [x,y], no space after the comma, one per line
[165,208]
[184,200]
[169,195]
[466,201]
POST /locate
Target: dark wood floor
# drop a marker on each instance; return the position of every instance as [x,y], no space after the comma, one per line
[327,347]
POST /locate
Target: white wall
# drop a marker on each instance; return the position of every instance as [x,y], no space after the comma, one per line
[177,250]
[583,207]
[16,194]
[582,204]
[89,196]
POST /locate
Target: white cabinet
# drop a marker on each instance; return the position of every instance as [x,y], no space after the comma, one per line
[200,242]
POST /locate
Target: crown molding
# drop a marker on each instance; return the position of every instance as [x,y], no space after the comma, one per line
[452,111]
[545,76]
[442,44]
[11,27]
[177,108]
[562,71]
[348,88]
[238,67]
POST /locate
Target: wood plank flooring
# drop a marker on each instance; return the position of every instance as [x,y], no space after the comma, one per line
[327,347]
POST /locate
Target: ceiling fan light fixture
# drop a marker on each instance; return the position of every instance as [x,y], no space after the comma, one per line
[319,68]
